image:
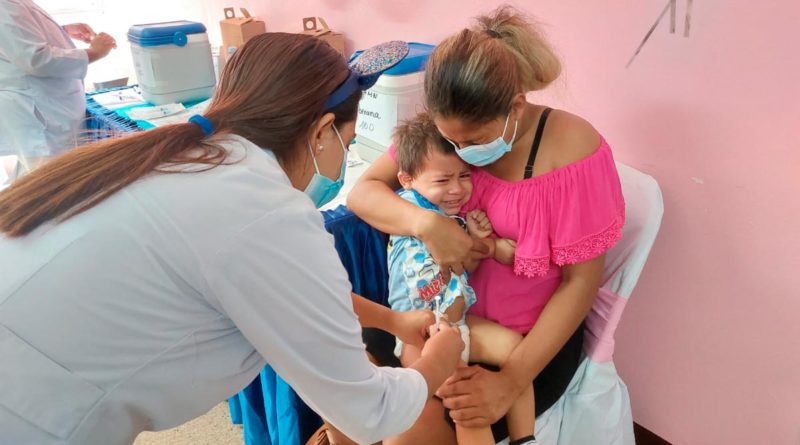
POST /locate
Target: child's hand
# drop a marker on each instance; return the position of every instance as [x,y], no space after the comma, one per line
[412,327]
[478,224]
[504,250]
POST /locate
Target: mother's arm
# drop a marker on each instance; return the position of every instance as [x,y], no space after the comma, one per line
[374,201]
[562,315]
[478,397]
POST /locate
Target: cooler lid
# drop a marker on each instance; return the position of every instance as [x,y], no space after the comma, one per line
[418,54]
[167,33]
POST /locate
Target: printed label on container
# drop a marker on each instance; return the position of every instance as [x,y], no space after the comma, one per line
[377,117]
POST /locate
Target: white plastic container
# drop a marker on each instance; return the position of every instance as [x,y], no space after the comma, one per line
[398,95]
[172,61]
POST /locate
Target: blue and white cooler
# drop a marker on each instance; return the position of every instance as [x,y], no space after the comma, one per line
[172,61]
[398,95]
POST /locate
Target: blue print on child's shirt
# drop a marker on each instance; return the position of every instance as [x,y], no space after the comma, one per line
[414,277]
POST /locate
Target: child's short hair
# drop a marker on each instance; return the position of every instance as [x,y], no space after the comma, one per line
[413,140]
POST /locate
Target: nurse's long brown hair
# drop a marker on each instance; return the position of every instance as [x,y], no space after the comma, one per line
[271,92]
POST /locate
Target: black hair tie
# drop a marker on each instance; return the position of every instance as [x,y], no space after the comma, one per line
[492,33]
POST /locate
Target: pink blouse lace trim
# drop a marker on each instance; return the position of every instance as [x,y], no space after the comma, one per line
[585,249]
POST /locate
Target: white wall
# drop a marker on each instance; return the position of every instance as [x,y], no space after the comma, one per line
[116,16]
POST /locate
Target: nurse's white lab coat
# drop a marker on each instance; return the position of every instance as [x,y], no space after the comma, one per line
[168,297]
[42,101]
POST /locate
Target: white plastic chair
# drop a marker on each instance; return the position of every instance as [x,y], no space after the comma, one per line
[596,407]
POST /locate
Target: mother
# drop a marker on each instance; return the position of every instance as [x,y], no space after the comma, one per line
[546,179]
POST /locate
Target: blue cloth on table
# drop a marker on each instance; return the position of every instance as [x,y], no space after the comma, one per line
[269,409]
[271,413]
[102,122]
[362,250]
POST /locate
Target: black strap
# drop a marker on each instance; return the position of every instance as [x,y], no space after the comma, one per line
[536,140]
[523,441]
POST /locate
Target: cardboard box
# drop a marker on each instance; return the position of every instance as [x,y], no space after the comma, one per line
[238,30]
[317,27]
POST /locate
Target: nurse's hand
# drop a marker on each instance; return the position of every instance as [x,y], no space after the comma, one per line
[100,46]
[412,327]
[440,355]
[445,345]
[450,246]
[80,31]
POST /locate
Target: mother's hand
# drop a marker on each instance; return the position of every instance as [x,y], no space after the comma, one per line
[450,246]
[478,397]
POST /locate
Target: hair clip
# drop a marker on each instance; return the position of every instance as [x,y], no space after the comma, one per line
[365,69]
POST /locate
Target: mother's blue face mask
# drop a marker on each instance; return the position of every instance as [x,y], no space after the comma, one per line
[323,189]
[484,154]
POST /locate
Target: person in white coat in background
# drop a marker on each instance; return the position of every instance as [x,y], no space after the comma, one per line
[147,278]
[41,82]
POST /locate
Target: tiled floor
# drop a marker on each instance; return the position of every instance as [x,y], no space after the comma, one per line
[213,428]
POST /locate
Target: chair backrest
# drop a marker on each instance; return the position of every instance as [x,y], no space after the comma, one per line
[644,208]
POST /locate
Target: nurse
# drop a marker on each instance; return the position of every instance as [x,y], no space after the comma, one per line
[41,82]
[148,278]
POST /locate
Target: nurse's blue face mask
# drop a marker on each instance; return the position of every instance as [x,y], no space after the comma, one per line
[481,155]
[365,68]
[323,189]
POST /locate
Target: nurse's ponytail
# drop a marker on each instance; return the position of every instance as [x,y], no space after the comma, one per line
[271,92]
[475,73]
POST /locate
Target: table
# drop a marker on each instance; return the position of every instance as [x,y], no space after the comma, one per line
[108,112]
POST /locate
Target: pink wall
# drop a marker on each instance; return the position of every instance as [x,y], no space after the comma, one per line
[710,344]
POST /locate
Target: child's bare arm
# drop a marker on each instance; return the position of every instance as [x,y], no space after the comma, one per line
[500,249]
[455,311]
[504,250]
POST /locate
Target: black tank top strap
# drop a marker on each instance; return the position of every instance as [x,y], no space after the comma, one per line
[537,139]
